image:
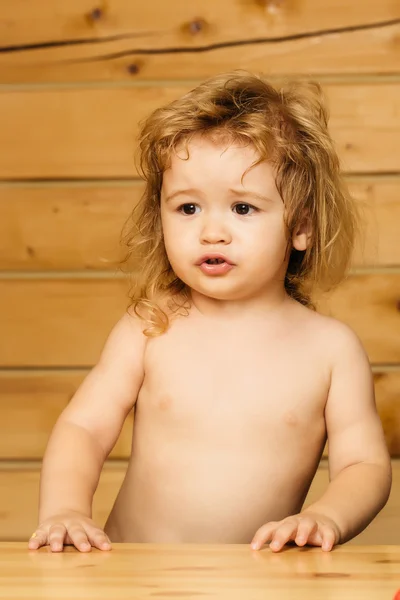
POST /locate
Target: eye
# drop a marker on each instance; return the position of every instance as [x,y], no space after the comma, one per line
[244,209]
[187,209]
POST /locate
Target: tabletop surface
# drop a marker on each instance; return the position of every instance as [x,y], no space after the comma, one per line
[194,571]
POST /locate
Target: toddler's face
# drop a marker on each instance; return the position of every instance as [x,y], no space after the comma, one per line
[206,209]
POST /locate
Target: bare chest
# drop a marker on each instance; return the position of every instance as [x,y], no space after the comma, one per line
[232,382]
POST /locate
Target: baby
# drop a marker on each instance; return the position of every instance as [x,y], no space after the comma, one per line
[236,381]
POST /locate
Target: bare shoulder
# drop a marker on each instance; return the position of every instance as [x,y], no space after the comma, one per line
[126,340]
[336,339]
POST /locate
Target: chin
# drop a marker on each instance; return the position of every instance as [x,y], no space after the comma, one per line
[220,294]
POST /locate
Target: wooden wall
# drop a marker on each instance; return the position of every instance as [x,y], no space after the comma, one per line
[75,79]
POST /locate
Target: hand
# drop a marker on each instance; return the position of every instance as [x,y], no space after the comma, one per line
[305,528]
[69,528]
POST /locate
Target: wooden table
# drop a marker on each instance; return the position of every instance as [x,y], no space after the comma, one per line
[194,571]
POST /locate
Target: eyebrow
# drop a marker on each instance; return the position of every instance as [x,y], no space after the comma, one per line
[238,193]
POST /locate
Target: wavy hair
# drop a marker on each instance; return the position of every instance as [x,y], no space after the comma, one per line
[288,126]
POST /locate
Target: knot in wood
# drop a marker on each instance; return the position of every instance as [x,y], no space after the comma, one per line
[133,68]
[196,26]
[96,14]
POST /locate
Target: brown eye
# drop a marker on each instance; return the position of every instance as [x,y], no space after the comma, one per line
[187,209]
[243,209]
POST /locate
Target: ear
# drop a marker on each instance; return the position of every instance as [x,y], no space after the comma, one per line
[302,235]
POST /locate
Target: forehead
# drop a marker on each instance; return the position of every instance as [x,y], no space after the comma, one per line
[203,161]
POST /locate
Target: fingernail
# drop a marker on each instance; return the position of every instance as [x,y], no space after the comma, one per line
[106,545]
[85,546]
[326,547]
[254,545]
[275,545]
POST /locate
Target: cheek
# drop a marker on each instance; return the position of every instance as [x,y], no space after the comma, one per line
[167,227]
[176,233]
[176,241]
[269,238]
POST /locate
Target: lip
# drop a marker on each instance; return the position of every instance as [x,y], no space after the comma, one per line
[218,269]
[213,255]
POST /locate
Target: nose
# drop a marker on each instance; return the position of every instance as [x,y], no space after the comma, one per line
[215,230]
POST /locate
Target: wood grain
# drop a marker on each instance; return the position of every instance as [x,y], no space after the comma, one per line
[153,23]
[58,322]
[370,305]
[98,128]
[77,226]
[19,486]
[125,41]
[31,401]
[65,226]
[379,202]
[362,52]
[51,321]
[223,571]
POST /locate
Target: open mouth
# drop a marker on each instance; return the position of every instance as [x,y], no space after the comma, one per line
[216,265]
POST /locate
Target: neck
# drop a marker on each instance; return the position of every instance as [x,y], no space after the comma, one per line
[263,305]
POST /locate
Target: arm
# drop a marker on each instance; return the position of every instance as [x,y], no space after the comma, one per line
[359,462]
[89,427]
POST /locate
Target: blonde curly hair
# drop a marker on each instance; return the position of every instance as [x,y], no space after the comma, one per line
[288,127]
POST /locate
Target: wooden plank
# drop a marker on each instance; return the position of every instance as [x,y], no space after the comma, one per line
[379,203]
[306,37]
[31,401]
[76,227]
[19,489]
[53,322]
[154,23]
[71,227]
[92,132]
[348,52]
[370,305]
[58,322]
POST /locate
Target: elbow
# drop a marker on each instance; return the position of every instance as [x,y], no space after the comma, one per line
[389,480]
[385,480]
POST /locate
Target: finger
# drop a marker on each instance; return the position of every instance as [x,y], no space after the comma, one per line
[79,538]
[56,537]
[305,529]
[328,537]
[285,532]
[98,539]
[315,539]
[37,539]
[264,534]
